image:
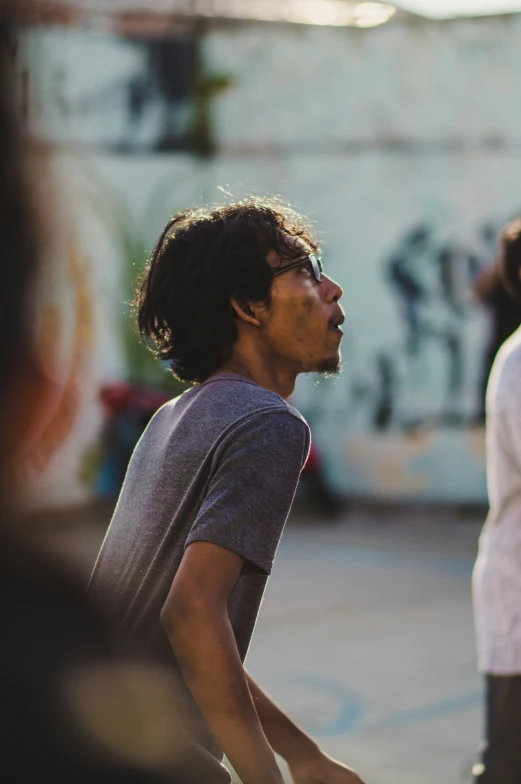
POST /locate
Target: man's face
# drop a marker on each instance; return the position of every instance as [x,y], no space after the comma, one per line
[301,324]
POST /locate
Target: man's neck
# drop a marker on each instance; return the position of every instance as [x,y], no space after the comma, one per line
[268,377]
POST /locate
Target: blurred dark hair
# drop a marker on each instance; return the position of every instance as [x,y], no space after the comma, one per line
[509,261]
[19,246]
[203,259]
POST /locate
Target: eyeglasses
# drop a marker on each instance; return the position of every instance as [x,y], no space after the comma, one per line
[313,262]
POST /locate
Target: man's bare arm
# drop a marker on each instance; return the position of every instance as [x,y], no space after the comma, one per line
[195,618]
[307,763]
[283,735]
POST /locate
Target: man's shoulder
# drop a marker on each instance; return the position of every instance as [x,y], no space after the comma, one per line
[295,413]
[241,398]
[222,404]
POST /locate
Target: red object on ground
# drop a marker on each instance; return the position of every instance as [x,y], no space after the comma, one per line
[313,464]
[118,397]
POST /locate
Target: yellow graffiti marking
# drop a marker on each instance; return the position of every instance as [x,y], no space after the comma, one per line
[63,418]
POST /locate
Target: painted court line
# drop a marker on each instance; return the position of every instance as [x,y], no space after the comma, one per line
[352,707]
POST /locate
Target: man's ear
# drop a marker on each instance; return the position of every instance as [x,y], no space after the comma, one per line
[245,313]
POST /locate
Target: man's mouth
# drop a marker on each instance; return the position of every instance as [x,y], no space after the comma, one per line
[336,321]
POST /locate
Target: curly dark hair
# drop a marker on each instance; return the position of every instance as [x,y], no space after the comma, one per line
[509,261]
[203,259]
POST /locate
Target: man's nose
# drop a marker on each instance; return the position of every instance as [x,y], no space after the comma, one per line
[333,289]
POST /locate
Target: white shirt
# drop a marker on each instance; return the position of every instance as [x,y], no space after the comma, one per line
[497,573]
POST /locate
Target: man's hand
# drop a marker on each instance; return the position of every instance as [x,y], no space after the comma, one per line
[307,763]
[323,770]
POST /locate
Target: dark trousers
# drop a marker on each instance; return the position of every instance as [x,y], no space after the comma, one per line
[501,760]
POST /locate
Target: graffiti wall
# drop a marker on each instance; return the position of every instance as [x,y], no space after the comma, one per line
[406,173]
[59,466]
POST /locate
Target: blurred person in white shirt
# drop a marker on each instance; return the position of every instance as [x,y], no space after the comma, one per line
[497,573]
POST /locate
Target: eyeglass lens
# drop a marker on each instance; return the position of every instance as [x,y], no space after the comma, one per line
[316,266]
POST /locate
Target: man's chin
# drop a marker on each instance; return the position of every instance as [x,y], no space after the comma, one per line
[328,368]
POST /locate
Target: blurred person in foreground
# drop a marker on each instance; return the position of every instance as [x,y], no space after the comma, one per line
[70,709]
[497,573]
[236,300]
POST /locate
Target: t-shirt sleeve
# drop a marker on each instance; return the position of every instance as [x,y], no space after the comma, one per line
[252,486]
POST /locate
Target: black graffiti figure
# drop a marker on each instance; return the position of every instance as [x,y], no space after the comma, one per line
[384,411]
[403,277]
[428,280]
[167,81]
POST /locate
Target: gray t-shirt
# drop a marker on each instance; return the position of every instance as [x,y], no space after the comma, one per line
[218,464]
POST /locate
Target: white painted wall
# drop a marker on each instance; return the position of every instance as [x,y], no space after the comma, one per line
[372,134]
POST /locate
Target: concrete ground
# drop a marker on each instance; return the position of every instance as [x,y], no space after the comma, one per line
[366,639]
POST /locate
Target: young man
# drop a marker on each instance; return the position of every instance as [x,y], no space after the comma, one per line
[497,574]
[236,300]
